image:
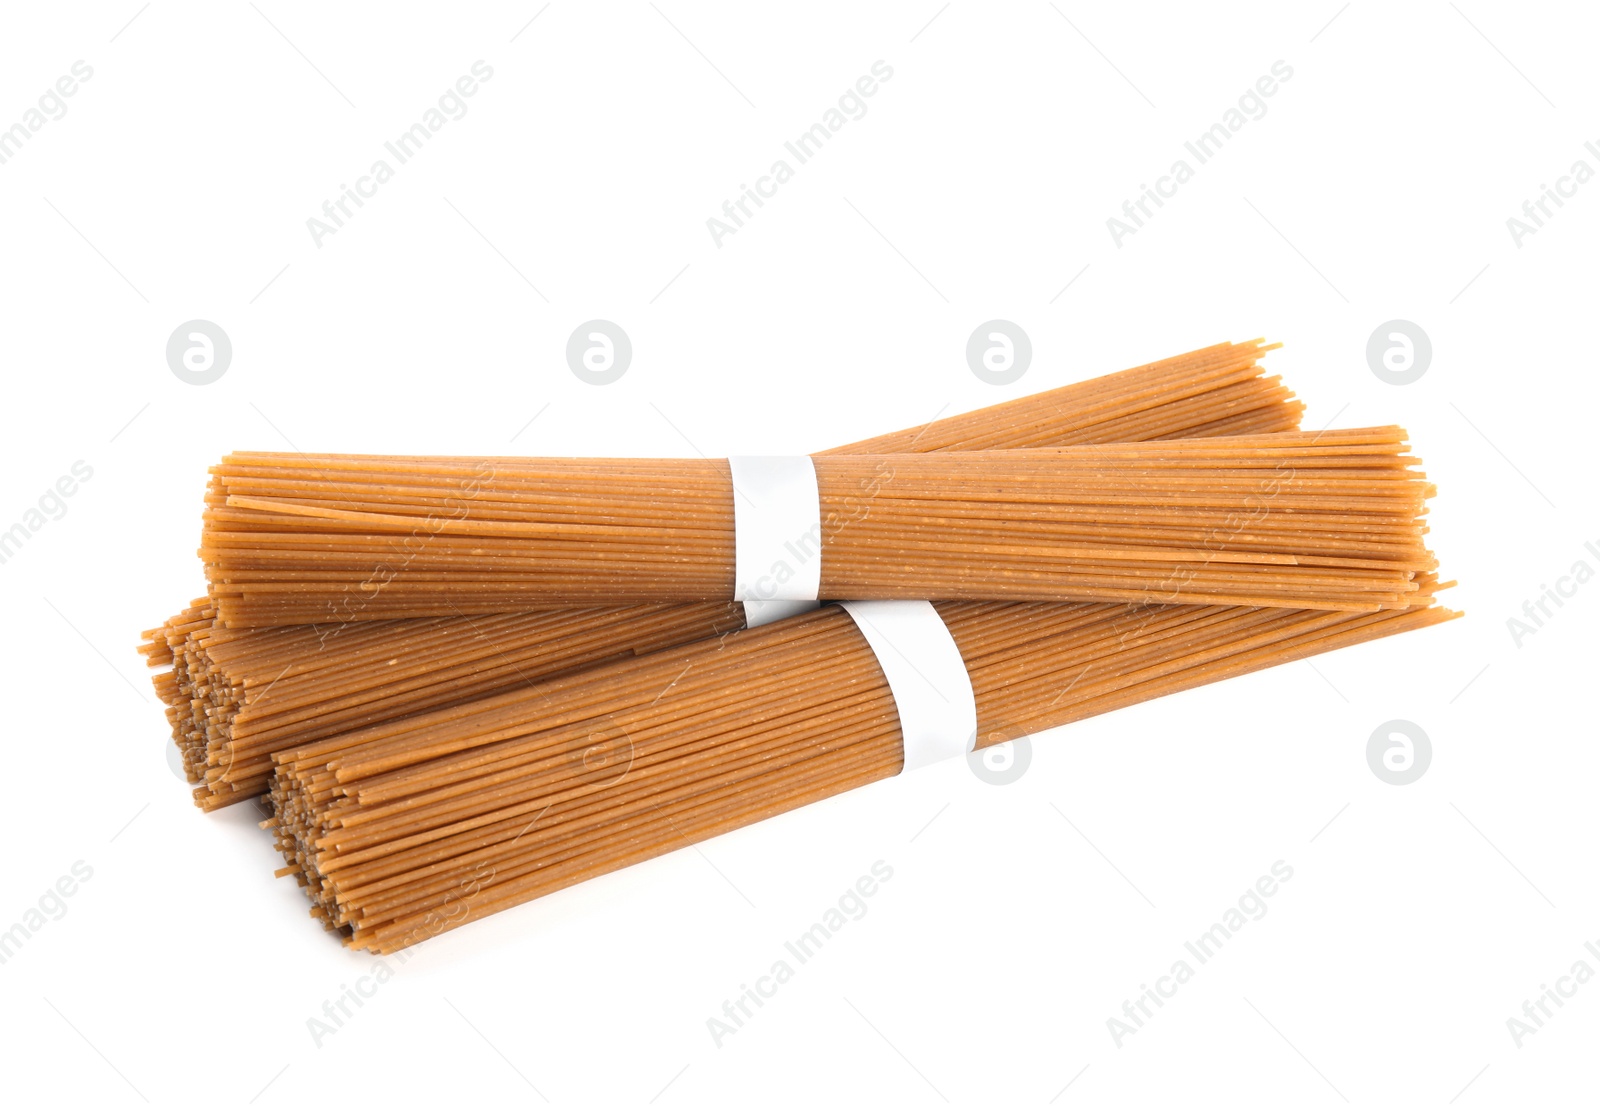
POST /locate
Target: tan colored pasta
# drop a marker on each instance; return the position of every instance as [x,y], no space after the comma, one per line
[1219,390]
[460,739]
[418,826]
[1330,521]
[236,694]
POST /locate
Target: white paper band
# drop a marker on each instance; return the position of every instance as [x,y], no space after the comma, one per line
[759,612]
[926,674]
[777,524]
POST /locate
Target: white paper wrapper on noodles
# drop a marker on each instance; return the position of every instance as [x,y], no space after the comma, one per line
[926,674]
[777,521]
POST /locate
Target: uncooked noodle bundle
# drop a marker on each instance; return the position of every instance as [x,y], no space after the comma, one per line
[1219,390]
[418,826]
[1328,521]
[237,695]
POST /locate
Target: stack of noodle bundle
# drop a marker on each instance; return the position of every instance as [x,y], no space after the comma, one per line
[444,740]
[235,694]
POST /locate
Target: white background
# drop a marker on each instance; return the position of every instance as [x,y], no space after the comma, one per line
[1419,918]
